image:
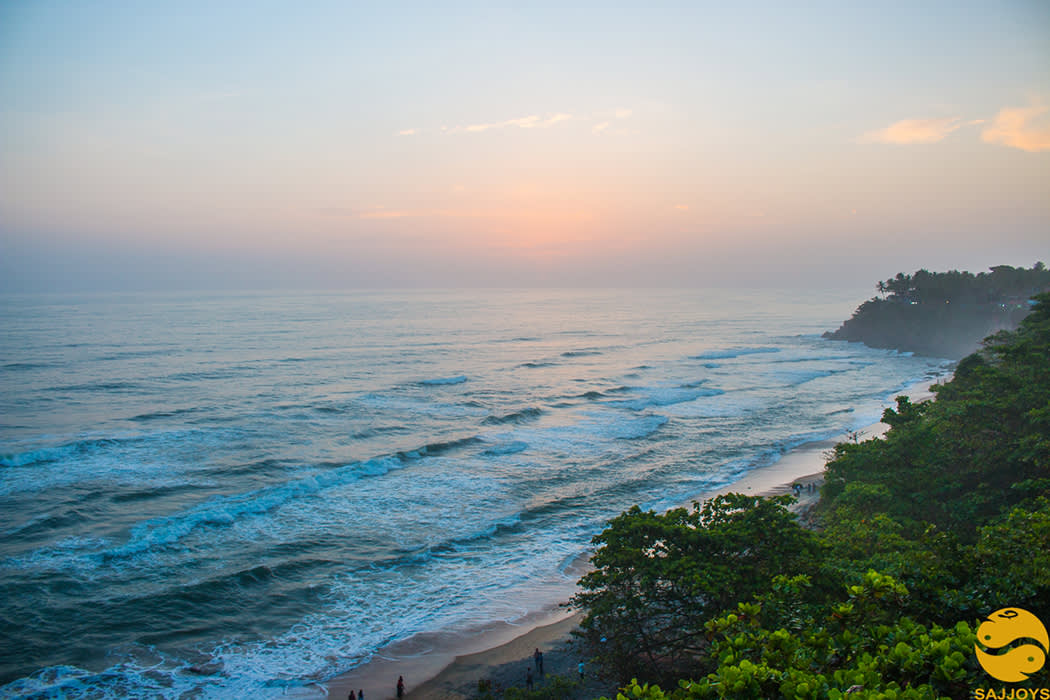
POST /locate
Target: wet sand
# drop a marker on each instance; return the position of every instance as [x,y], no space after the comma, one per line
[506,665]
[503,652]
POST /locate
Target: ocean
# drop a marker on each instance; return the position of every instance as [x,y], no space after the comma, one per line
[241,495]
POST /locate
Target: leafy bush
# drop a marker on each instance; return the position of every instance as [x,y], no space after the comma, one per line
[659,578]
[919,535]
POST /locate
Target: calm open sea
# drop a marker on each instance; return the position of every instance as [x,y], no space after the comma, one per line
[236,495]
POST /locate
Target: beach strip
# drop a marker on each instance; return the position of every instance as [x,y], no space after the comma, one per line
[449,668]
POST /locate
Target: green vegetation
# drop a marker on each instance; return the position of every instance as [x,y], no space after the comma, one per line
[659,578]
[920,536]
[944,314]
[1003,285]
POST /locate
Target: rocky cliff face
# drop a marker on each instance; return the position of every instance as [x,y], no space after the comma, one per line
[939,330]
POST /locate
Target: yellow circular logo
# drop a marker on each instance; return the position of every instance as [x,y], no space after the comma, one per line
[1003,627]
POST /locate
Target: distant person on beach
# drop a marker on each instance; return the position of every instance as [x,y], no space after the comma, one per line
[360,694]
[538,656]
[528,678]
[580,667]
[400,686]
[351,696]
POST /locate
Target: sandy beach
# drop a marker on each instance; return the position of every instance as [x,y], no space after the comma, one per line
[445,675]
[450,669]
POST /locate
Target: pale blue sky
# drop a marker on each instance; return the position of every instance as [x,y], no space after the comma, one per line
[219,144]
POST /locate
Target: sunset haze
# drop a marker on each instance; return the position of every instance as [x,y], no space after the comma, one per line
[244,145]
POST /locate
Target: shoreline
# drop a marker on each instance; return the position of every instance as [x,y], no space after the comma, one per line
[502,650]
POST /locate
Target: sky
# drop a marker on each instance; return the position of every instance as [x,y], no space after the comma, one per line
[252,144]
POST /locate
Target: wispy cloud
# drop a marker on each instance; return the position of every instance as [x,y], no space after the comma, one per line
[1020,127]
[551,121]
[533,121]
[603,122]
[913,131]
[607,118]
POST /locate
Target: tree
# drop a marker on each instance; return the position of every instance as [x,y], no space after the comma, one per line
[929,529]
[860,647]
[659,578]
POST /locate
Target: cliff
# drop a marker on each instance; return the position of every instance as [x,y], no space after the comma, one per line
[944,314]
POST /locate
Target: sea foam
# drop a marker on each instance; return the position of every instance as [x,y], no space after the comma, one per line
[444,381]
[730,353]
[334,497]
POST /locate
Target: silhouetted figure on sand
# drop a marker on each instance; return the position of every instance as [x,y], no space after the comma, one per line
[400,686]
[528,679]
[538,656]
